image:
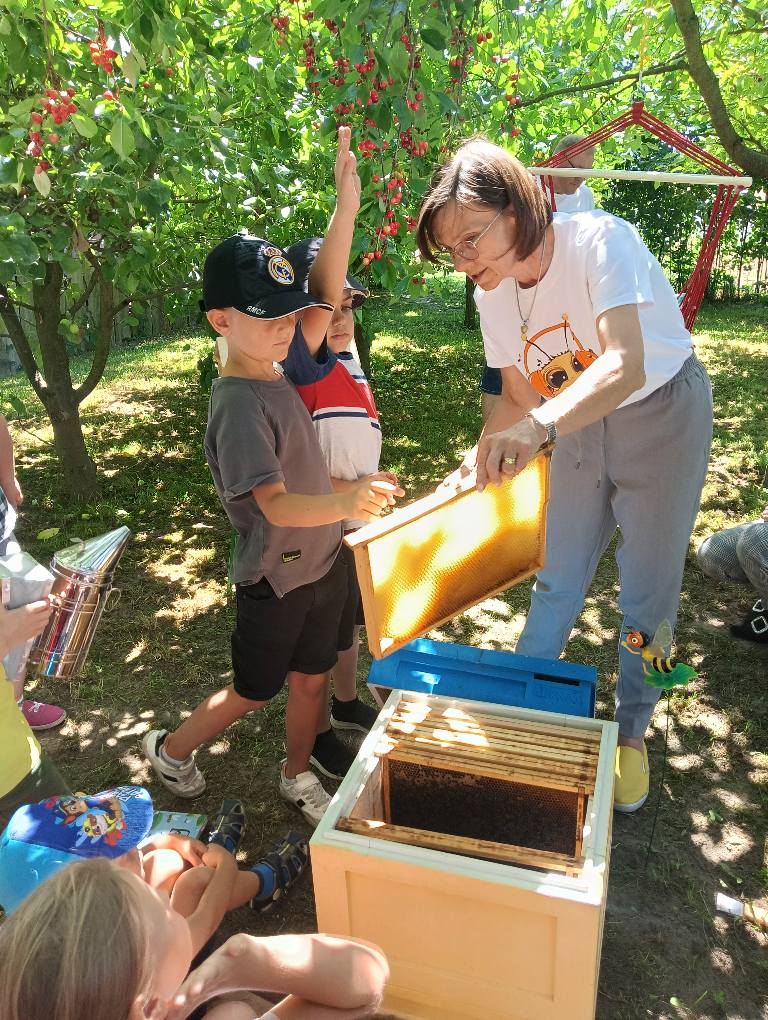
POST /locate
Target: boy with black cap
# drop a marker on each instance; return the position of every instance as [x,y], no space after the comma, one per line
[269,471]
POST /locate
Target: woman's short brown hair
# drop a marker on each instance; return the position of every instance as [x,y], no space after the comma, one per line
[481,173]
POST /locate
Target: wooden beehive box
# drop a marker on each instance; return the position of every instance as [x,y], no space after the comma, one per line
[471,842]
[427,562]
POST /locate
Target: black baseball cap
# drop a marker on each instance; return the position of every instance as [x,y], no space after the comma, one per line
[302,254]
[256,277]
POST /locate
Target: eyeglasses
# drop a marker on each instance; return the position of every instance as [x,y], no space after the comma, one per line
[467,250]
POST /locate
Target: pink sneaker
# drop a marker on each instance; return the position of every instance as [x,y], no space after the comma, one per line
[41,716]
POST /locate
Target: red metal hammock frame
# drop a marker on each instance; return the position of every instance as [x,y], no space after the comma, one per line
[725,199]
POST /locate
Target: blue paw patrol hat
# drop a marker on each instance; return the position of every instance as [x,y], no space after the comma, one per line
[41,838]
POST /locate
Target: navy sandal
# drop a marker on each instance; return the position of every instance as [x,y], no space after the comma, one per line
[279,870]
[228,826]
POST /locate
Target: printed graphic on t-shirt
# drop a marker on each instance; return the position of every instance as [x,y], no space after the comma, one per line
[554,357]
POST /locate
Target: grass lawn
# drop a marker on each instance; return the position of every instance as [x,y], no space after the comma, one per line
[165,644]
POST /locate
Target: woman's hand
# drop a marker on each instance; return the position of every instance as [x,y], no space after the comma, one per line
[504,454]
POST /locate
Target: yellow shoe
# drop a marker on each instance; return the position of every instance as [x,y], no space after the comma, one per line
[632,776]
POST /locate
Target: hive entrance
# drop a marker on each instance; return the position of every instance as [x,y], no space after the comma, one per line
[498,788]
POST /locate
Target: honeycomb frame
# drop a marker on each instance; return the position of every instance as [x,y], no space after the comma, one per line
[428,562]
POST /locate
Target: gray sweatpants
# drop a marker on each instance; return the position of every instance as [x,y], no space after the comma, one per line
[738,554]
[640,469]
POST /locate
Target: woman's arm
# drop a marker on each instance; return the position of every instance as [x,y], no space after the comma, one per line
[518,397]
[617,373]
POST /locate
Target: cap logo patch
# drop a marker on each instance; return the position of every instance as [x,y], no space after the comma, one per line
[281,270]
[270,251]
[254,310]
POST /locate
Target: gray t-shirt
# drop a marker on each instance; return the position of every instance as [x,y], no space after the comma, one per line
[259,433]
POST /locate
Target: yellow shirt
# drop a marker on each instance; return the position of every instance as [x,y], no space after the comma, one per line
[20,752]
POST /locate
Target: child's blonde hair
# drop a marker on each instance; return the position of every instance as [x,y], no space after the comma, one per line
[76,948]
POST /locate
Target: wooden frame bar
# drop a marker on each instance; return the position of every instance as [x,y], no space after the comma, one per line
[507,853]
[428,562]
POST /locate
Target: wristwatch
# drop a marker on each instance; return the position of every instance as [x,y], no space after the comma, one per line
[548,425]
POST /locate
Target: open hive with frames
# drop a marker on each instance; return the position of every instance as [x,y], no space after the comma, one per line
[471,841]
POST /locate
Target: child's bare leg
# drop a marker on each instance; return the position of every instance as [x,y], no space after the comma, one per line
[345,670]
[192,884]
[208,720]
[307,704]
[163,869]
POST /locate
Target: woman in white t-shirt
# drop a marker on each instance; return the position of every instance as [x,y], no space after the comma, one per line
[594,355]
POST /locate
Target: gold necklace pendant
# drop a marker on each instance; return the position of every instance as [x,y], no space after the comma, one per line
[524,331]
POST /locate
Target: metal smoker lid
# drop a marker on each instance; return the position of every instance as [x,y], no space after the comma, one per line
[97,555]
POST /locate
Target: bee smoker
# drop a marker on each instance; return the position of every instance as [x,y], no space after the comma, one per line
[82,584]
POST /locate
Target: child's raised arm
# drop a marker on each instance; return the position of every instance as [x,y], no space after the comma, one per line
[329,269]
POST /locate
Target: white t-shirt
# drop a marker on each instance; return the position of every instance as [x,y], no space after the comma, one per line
[582,200]
[599,262]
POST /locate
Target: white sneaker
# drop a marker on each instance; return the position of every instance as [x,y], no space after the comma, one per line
[305,792]
[185,780]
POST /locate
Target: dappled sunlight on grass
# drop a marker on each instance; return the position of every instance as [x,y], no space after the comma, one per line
[165,646]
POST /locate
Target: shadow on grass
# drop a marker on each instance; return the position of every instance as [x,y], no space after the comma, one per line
[165,645]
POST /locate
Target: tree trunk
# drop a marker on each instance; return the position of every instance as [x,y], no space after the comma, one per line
[157,316]
[58,395]
[752,160]
[363,344]
[77,465]
[469,303]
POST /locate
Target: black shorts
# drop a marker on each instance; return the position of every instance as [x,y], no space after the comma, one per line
[297,632]
[352,613]
[490,381]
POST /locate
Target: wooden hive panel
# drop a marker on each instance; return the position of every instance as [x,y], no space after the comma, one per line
[427,562]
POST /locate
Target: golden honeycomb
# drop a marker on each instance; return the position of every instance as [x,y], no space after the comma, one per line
[420,569]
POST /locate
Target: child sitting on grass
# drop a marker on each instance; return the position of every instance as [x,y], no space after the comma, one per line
[337,395]
[270,475]
[95,942]
[202,881]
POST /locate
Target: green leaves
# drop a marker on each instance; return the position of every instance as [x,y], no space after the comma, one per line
[16,247]
[121,138]
[131,67]
[84,125]
[47,533]
[433,38]
[42,182]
